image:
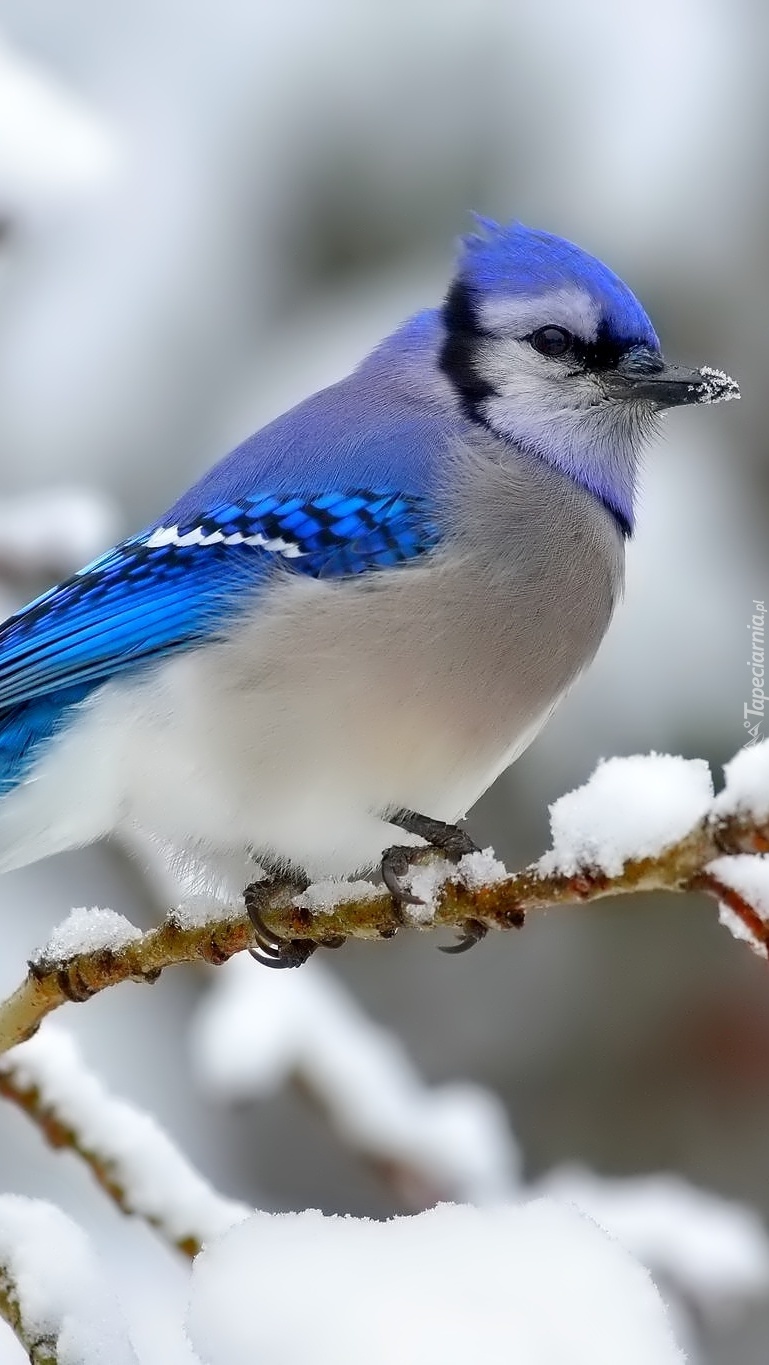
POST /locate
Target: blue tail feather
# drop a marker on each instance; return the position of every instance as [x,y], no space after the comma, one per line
[25,728]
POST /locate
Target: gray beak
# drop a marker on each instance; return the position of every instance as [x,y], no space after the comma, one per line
[644,376]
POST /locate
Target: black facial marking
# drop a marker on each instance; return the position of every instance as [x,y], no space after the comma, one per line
[459,351]
[605,353]
[459,313]
[464,333]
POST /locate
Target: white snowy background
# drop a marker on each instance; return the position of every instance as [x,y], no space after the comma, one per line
[207,210]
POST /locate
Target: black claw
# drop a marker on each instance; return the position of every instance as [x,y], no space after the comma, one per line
[294,954]
[270,950]
[396,862]
[266,940]
[474,931]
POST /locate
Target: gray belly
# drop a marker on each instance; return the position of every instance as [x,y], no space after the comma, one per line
[334,702]
[418,686]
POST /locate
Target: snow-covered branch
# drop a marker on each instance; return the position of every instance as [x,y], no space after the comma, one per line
[428,1142]
[52,1292]
[639,824]
[527,1283]
[128,1153]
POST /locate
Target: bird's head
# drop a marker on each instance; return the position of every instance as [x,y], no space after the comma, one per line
[548,348]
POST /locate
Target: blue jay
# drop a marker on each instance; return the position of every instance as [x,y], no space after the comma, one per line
[367,611]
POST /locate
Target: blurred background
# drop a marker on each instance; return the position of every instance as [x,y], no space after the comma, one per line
[209,210]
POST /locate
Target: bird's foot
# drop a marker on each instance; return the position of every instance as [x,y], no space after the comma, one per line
[271,950]
[450,840]
[474,930]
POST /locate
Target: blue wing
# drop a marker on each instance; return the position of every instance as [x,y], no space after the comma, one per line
[178,585]
[272,505]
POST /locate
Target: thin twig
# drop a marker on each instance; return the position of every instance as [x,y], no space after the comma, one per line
[133,1160]
[503,904]
[52,1291]
[41,1350]
[60,1135]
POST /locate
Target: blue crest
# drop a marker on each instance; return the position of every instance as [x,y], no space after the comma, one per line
[516,260]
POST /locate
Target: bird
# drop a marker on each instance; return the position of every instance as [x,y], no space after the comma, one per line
[354,622]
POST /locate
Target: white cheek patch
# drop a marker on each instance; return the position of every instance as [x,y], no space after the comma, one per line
[171,535]
[514,368]
[573,309]
[532,393]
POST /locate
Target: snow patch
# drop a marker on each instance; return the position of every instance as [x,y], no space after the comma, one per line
[87,931]
[480,869]
[629,808]
[50,1268]
[325,897]
[714,1251]
[255,1030]
[158,1181]
[531,1284]
[746,778]
[748,875]
[739,930]
[198,912]
[426,881]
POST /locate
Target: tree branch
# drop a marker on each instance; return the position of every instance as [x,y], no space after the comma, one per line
[41,1350]
[53,1294]
[364,912]
[61,1135]
[134,1161]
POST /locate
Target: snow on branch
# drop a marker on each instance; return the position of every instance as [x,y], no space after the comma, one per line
[131,1157]
[52,1292]
[529,1283]
[454,1141]
[639,824]
[428,1142]
[713,1253]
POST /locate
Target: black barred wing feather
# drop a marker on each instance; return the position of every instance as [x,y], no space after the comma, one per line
[175,586]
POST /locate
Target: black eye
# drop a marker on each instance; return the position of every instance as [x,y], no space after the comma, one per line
[551,340]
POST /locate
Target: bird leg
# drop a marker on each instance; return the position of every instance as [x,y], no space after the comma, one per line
[271,950]
[396,861]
